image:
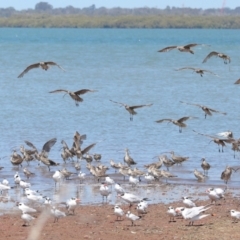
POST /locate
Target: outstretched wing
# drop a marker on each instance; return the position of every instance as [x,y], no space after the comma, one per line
[192,104]
[167,49]
[204,134]
[64,144]
[210,72]
[30,144]
[212,110]
[59,90]
[210,55]
[191,45]
[85,150]
[55,64]
[183,119]
[47,146]
[35,65]
[83,91]
[139,106]
[162,120]
[118,103]
[184,68]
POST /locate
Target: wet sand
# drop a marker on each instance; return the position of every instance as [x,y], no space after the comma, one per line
[98,222]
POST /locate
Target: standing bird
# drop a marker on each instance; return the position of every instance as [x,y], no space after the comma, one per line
[171,212]
[104,191]
[27,173]
[16,159]
[57,214]
[185,48]
[205,166]
[128,159]
[130,109]
[207,110]
[198,175]
[132,217]
[235,214]
[226,174]
[72,204]
[215,194]
[131,198]
[188,202]
[179,122]
[225,57]
[118,212]
[27,218]
[197,70]
[44,65]
[74,95]
[178,159]
[25,209]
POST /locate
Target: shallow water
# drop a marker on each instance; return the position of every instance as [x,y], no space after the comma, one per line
[123,65]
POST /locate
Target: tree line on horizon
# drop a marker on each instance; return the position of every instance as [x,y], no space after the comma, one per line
[45,15]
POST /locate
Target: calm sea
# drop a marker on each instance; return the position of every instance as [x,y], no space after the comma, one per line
[124,66]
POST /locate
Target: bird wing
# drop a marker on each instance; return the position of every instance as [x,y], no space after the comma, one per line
[183,119]
[64,144]
[139,106]
[204,134]
[59,90]
[118,103]
[167,49]
[35,65]
[212,110]
[85,150]
[185,68]
[210,72]
[30,144]
[165,119]
[210,55]
[47,146]
[55,64]
[191,45]
[238,81]
[82,91]
[198,105]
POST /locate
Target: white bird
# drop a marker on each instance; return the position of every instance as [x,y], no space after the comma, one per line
[193,214]
[57,214]
[227,134]
[109,181]
[132,217]
[235,214]
[35,198]
[27,218]
[131,198]
[171,212]
[141,208]
[134,181]
[149,177]
[118,212]
[215,194]
[4,187]
[24,184]
[188,202]
[81,176]
[47,202]
[26,209]
[5,182]
[118,188]
[57,177]
[72,204]
[104,191]
[30,191]
[17,178]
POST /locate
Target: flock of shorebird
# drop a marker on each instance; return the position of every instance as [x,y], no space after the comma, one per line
[152,173]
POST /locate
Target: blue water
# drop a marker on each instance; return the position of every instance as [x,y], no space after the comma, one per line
[123,65]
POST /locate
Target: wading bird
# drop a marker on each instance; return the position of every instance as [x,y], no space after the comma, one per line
[225,57]
[44,65]
[74,95]
[130,109]
[180,122]
[205,166]
[197,70]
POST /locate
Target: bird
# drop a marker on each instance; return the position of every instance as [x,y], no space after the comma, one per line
[132,217]
[81,176]
[179,122]
[149,178]
[171,212]
[74,95]
[238,81]
[27,173]
[178,159]
[226,174]
[66,173]
[118,188]
[205,166]
[197,70]
[188,202]
[166,175]
[207,110]
[57,177]
[25,209]
[24,184]
[71,204]
[97,156]
[218,141]
[142,207]
[109,181]
[185,48]
[44,65]
[215,194]
[118,212]
[235,215]
[104,191]
[225,57]
[131,198]
[16,159]
[57,214]
[227,134]
[130,109]
[128,159]
[198,175]
[27,218]
[133,181]
[115,165]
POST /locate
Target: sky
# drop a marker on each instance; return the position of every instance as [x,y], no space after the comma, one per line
[25,4]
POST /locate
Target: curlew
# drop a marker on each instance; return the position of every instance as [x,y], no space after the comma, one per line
[128,159]
[130,109]
[179,122]
[178,159]
[205,166]
[185,48]
[44,65]
[74,95]
[207,110]
[225,57]
[16,159]
[197,70]
[198,175]
[218,141]
[226,174]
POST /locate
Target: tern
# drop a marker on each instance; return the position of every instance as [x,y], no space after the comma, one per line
[171,212]
[27,218]
[118,212]
[57,214]
[131,198]
[235,214]
[44,65]
[25,209]
[132,217]
[215,194]
[188,202]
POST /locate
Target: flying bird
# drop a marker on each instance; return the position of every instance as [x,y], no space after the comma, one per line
[197,70]
[207,110]
[238,81]
[225,57]
[185,48]
[44,65]
[179,122]
[74,95]
[130,109]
